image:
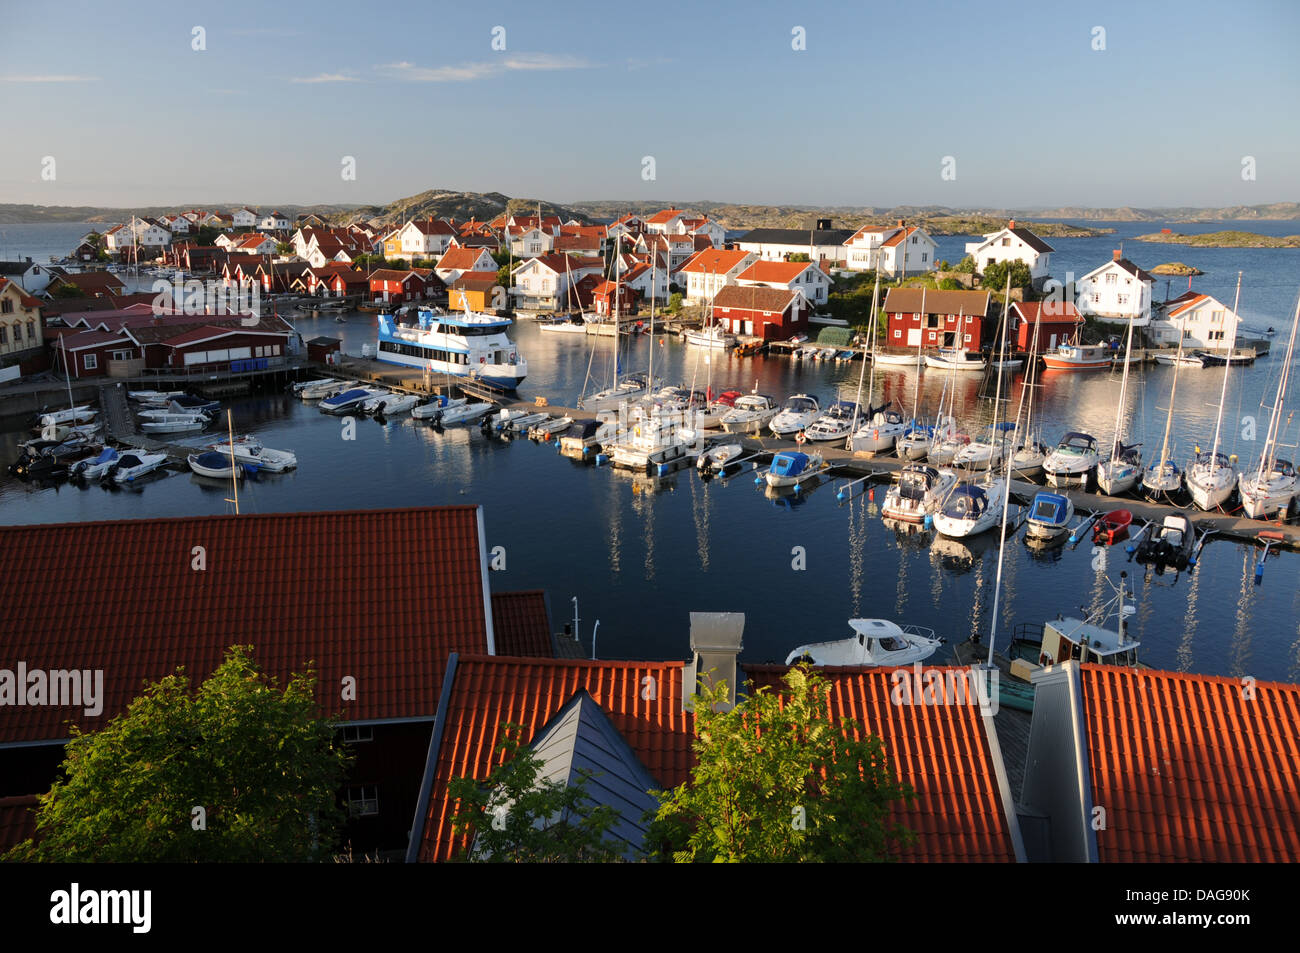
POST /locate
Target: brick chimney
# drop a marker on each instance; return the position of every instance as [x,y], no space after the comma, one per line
[1011,224]
[900,223]
[1117,253]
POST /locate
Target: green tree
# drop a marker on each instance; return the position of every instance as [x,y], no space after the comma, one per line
[994,277]
[800,256]
[675,302]
[283,248]
[778,780]
[207,235]
[517,816]
[966,266]
[942,265]
[503,276]
[65,289]
[235,771]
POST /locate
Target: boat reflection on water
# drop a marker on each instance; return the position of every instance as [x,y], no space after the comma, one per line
[788,497]
[961,555]
[1049,549]
[910,535]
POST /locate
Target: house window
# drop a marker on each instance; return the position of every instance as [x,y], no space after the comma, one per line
[4,334]
[1122,299]
[1006,242]
[91,362]
[120,356]
[31,330]
[6,306]
[1110,279]
[354,734]
[898,333]
[363,800]
[1096,297]
[1216,317]
[925,256]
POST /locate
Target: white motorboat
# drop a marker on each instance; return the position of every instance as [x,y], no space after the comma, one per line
[1210,479]
[1073,460]
[653,441]
[377,397]
[957,359]
[1181,360]
[718,457]
[325,387]
[987,450]
[348,401]
[163,421]
[796,414]
[250,451]
[301,386]
[464,413]
[96,468]
[750,414]
[554,425]
[971,509]
[631,388]
[903,359]
[133,465]
[944,452]
[64,432]
[1049,515]
[878,431]
[573,325]
[918,494]
[436,407]
[793,468]
[214,464]
[1267,491]
[517,421]
[876,642]
[396,404]
[159,398]
[836,423]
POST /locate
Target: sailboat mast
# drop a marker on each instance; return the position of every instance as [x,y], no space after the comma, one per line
[866,353]
[1169,419]
[1274,424]
[1123,390]
[920,339]
[1223,392]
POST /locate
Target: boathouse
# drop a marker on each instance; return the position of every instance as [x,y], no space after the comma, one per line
[921,317]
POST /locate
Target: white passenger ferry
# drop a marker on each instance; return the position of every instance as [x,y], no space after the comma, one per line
[465,345]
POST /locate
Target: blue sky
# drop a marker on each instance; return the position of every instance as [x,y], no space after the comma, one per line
[1014,92]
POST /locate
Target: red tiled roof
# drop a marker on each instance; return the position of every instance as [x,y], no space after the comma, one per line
[898,237]
[906,300]
[663,217]
[942,751]
[460,258]
[486,692]
[122,597]
[521,624]
[1188,304]
[1189,770]
[780,272]
[475,280]
[755,298]
[93,280]
[1034,311]
[716,261]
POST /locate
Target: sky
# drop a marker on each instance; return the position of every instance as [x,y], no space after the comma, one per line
[998,104]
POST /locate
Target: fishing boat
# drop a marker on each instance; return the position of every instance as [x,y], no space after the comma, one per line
[836,423]
[249,450]
[796,414]
[214,464]
[461,345]
[954,359]
[133,465]
[971,509]
[875,642]
[751,413]
[791,468]
[1049,515]
[918,494]
[1078,357]
[1073,460]
[1112,527]
[1172,547]
[163,421]
[1069,638]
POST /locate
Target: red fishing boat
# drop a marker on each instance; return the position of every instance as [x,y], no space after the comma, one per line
[1112,527]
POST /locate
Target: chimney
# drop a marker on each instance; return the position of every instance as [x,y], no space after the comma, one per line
[900,223]
[1011,224]
[716,640]
[1117,253]
[823,224]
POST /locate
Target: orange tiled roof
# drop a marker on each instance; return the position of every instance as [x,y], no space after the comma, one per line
[663,217]
[461,258]
[717,261]
[781,272]
[1190,770]
[1188,305]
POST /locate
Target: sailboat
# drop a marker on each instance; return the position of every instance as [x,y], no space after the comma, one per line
[1165,478]
[1027,451]
[1119,473]
[1270,488]
[629,388]
[1211,476]
[880,427]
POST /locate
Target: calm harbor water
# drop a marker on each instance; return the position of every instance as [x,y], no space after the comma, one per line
[641,553]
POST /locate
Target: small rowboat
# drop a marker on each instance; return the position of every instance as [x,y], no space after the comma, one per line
[1112,527]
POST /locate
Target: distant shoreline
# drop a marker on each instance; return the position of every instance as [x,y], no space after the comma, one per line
[1224,239]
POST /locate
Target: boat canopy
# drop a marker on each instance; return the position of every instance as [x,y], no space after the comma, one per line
[1049,508]
[1127,453]
[801,403]
[583,428]
[966,502]
[212,460]
[842,408]
[1218,459]
[1080,442]
[790,464]
[754,402]
[915,481]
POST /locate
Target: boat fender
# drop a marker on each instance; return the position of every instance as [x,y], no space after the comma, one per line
[875,434]
[800,437]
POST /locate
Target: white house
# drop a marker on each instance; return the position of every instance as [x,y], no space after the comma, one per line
[1117,291]
[651,282]
[244,218]
[542,283]
[532,242]
[119,237]
[274,222]
[146,231]
[176,224]
[716,234]
[29,276]
[665,221]
[712,269]
[1200,320]
[677,249]
[894,249]
[459,260]
[426,238]
[801,277]
[623,227]
[1013,244]
[822,243]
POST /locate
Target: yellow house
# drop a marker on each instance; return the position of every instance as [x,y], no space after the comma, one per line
[20,319]
[393,244]
[478,289]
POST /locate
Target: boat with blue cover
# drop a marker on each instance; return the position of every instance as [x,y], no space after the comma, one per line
[1049,515]
[793,467]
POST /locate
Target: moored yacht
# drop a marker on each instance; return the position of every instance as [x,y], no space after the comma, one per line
[875,642]
[878,430]
[750,414]
[796,414]
[1073,460]
[971,509]
[835,423]
[918,494]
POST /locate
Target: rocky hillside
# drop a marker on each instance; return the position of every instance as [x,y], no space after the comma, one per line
[441,203]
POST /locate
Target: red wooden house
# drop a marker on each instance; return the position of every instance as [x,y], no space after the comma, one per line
[919,317]
[1058,322]
[773,314]
[607,295]
[398,286]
